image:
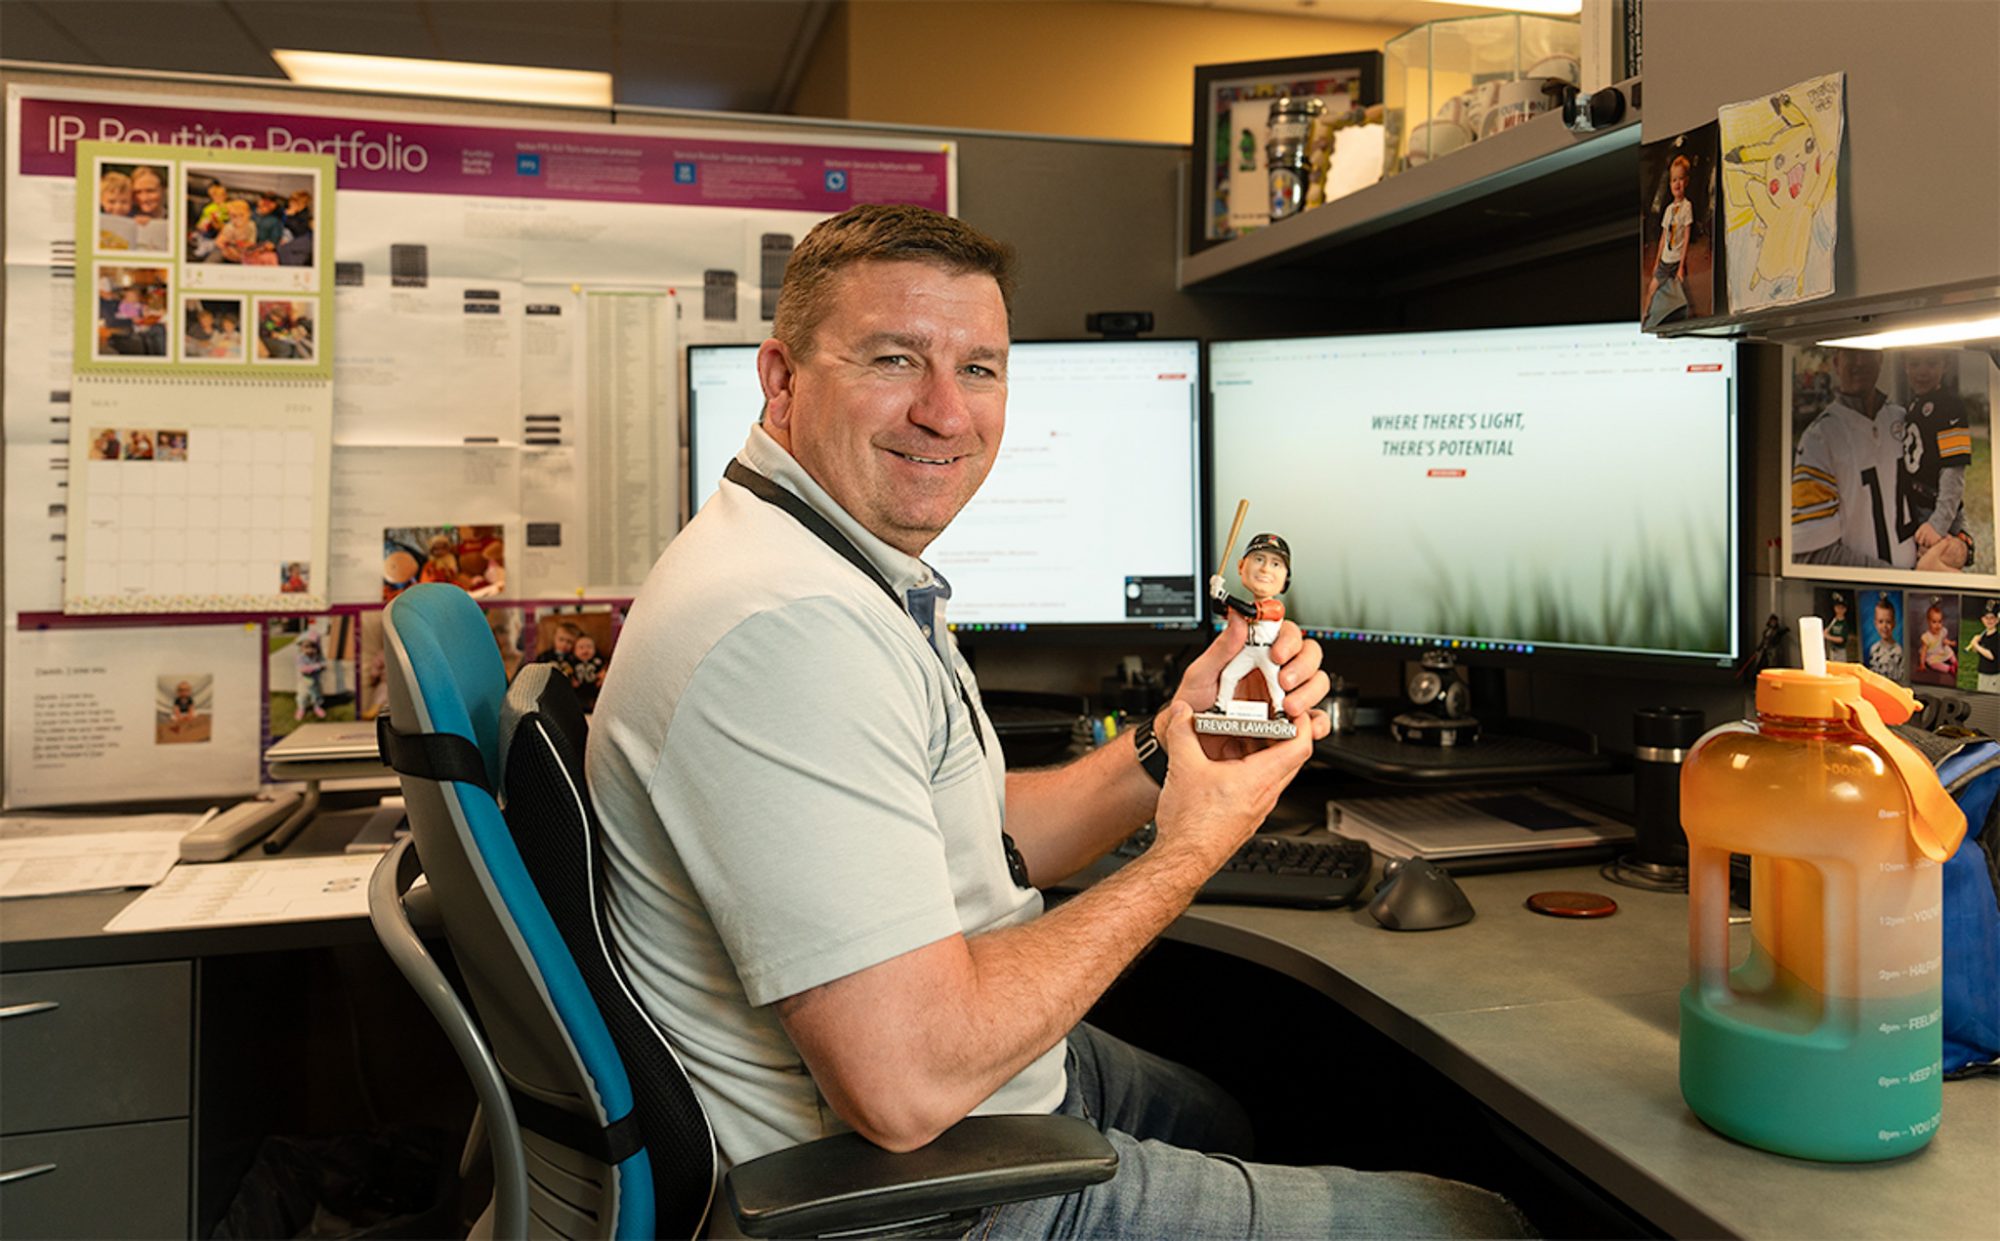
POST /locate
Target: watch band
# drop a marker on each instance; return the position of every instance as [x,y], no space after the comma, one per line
[1152,754]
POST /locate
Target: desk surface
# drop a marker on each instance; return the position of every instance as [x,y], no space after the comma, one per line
[66,932]
[1569,1030]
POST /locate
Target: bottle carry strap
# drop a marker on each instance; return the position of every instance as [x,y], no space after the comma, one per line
[1937,824]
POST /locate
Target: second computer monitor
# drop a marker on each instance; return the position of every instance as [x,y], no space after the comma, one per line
[1521,490]
[1092,513]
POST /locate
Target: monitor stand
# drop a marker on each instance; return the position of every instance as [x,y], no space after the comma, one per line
[1507,749]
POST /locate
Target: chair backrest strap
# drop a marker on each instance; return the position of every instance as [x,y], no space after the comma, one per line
[442,757]
[612,1145]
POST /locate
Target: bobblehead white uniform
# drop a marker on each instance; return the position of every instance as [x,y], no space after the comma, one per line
[1844,477]
[1256,653]
[1264,614]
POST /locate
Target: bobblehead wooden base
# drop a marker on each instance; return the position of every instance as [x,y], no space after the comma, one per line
[1218,725]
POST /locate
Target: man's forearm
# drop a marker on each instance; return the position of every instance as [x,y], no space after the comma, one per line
[1064,818]
[993,1003]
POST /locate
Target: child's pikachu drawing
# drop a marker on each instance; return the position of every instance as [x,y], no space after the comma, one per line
[1780,166]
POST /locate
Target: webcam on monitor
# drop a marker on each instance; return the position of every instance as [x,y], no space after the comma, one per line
[1119,324]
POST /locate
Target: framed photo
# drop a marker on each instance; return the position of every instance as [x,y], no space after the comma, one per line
[1228,194]
[1891,467]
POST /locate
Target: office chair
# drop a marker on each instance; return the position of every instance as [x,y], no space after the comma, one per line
[595,1129]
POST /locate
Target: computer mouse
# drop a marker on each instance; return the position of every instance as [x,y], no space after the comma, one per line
[1417,896]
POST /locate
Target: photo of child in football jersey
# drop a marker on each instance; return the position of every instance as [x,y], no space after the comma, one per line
[1980,640]
[1885,653]
[1832,607]
[1932,640]
[1937,449]
[1891,466]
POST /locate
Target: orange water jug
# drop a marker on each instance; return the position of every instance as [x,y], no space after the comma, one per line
[1825,1042]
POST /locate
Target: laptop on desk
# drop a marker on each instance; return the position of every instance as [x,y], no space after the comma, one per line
[1476,824]
[330,741]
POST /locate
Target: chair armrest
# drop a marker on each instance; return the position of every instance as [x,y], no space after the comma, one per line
[846,1182]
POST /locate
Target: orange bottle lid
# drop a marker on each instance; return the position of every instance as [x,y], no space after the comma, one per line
[1799,694]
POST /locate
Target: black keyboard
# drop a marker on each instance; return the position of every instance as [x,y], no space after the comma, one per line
[1323,872]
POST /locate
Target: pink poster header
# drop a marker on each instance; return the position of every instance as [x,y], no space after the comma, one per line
[606,165]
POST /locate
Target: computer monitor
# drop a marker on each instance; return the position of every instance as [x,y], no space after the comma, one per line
[1513,491]
[1092,514]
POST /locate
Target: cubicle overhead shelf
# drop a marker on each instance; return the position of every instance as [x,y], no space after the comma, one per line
[1532,192]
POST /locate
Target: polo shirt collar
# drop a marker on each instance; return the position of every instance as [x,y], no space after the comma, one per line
[911,578]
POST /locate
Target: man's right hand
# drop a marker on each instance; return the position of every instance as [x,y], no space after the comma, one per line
[1209,807]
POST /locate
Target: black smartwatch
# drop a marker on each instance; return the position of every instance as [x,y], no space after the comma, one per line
[1152,753]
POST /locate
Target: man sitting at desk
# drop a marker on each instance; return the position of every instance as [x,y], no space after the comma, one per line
[809,882]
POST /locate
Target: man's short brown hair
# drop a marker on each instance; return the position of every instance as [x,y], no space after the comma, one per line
[880,233]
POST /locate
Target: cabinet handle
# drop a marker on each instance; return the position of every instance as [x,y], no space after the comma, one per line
[22,1174]
[32,1006]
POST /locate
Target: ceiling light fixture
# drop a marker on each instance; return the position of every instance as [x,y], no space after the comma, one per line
[1948,332]
[1555,8]
[459,79]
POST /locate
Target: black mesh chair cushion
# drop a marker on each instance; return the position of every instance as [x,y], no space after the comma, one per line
[548,811]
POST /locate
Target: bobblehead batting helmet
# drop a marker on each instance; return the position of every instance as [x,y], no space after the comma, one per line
[1276,546]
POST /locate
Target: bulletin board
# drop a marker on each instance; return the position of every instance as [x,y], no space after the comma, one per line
[507,302]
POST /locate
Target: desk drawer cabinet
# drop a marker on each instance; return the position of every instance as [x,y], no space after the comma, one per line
[94,1046]
[115,1181]
[95,1100]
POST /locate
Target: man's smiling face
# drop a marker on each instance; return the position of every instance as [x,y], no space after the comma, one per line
[899,410]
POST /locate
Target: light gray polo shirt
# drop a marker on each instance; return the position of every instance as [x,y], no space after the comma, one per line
[792,790]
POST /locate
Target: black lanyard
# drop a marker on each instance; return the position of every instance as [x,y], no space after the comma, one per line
[826,532]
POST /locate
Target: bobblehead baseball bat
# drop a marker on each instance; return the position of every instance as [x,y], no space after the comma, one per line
[1235,528]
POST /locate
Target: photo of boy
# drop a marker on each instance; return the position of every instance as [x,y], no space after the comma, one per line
[114,211]
[294,578]
[171,446]
[132,208]
[132,305]
[1933,637]
[1885,653]
[1937,448]
[1980,669]
[1831,606]
[285,330]
[466,556]
[183,708]
[138,446]
[579,644]
[209,329]
[251,217]
[1677,230]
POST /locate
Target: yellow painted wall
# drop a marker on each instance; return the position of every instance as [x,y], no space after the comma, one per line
[1079,68]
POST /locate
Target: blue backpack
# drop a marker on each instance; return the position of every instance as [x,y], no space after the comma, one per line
[1970,771]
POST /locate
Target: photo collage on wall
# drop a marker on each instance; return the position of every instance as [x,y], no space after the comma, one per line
[1915,637]
[1891,473]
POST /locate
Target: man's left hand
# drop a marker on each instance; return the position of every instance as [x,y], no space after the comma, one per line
[1298,659]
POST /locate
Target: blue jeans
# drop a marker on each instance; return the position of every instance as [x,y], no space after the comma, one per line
[1159,1115]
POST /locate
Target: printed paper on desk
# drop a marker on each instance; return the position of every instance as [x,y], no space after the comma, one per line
[234,893]
[104,715]
[44,856]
